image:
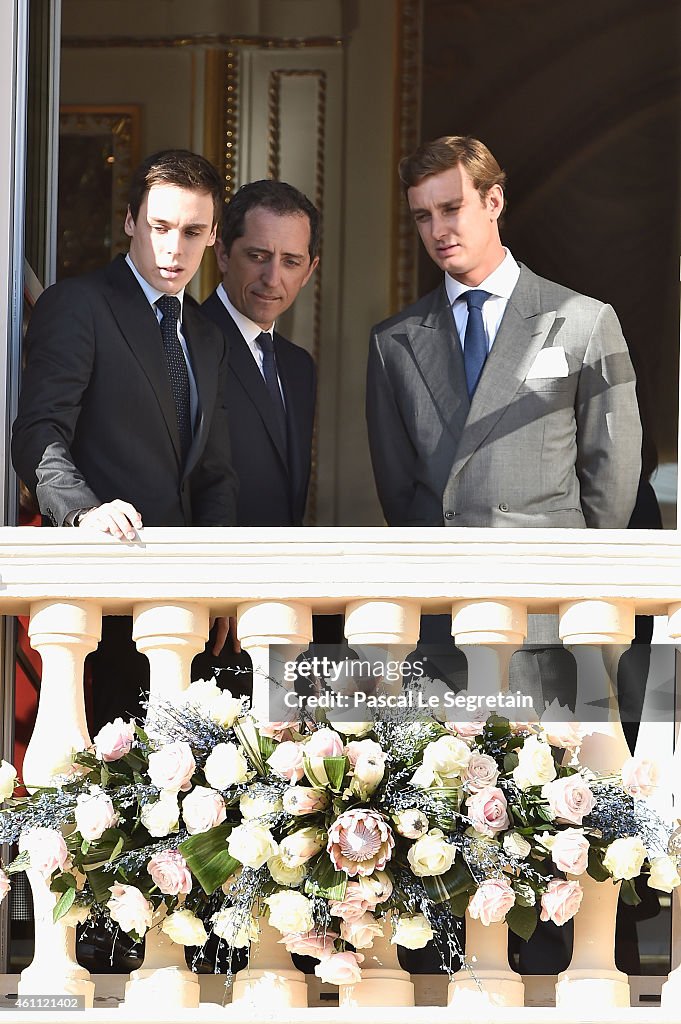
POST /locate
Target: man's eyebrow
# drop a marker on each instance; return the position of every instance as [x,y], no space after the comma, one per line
[170,224]
[262,248]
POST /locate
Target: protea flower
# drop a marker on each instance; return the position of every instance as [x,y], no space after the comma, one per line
[360,841]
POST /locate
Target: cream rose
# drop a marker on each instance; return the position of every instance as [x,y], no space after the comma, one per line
[226,766]
[8,779]
[351,728]
[535,764]
[258,805]
[46,849]
[203,809]
[94,814]
[172,767]
[447,758]
[219,705]
[162,817]
[184,928]
[412,932]
[640,776]
[340,968]
[287,761]
[664,874]
[624,857]
[114,740]
[356,748]
[561,901]
[516,845]
[290,912]
[432,854]
[570,799]
[252,844]
[361,932]
[491,901]
[285,875]
[368,773]
[130,909]
[234,927]
[481,772]
[570,851]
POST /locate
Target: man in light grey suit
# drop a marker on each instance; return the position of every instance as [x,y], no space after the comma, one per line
[540,427]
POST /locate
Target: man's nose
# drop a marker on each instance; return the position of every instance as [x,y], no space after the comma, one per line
[271,272]
[438,225]
[173,241]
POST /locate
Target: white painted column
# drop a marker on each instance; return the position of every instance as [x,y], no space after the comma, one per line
[171,634]
[490,982]
[262,624]
[63,633]
[384,982]
[391,628]
[592,978]
[269,982]
[163,981]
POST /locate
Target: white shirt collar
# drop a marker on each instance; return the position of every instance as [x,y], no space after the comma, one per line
[152,294]
[248,328]
[500,282]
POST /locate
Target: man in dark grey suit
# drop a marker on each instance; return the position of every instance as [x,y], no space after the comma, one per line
[121,416]
[520,411]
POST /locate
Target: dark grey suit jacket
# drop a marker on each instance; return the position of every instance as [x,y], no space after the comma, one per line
[552,437]
[273,478]
[96,415]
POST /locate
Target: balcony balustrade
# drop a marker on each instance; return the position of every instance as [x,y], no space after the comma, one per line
[173,581]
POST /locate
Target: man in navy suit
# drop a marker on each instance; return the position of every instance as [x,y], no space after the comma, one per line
[267,252]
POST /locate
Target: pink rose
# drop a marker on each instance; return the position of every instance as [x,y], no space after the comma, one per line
[354,904]
[473,723]
[561,901]
[4,885]
[170,873]
[569,799]
[570,851]
[340,969]
[324,743]
[566,735]
[114,740]
[360,841]
[277,730]
[94,814]
[46,850]
[287,761]
[356,748]
[172,767]
[480,773]
[129,909]
[299,800]
[362,932]
[203,809]
[640,776]
[488,811]
[317,944]
[492,901]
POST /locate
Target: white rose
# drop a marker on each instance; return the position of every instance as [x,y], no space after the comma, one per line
[217,704]
[432,854]
[412,932]
[368,773]
[202,810]
[258,805]
[624,857]
[94,814]
[411,823]
[535,764]
[352,728]
[664,874]
[8,778]
[184,928]
[295,850]
[290,912]
[447,757]
[285,875]
[516,845]
[231,925]
[162,817]
[252,844]
[226,766]
[362,932]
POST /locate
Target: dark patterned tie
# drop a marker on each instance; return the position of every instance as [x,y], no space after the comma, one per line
[475,339]
[169,306]
[269,369]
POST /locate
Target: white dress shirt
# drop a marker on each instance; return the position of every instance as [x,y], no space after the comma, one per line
[500,284]
[250,332]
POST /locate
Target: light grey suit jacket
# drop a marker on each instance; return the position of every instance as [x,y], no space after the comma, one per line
[550,438]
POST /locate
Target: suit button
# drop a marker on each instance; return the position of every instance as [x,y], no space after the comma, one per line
[503,507]
[449,515]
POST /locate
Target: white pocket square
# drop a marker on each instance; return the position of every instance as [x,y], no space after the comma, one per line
[549,362]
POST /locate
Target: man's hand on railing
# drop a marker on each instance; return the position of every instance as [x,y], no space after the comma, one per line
[118,518]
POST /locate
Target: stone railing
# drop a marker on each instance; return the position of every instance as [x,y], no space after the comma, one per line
[172,582]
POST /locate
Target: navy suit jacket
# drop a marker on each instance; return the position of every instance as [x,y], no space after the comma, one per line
[273,482]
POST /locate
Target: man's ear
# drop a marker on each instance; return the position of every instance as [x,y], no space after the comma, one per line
[221,256]
[129,224]
[311,270]
[495,201]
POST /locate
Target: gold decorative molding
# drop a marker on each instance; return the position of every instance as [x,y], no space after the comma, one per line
[274,171]
[407,107]
[210,39]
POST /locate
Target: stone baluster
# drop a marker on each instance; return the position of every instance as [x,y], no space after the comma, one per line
[592,978]
[170,634]
[490,981]
[163,980]
[384,982]
[489,633]
[262,625]
[269,982]
[63,633]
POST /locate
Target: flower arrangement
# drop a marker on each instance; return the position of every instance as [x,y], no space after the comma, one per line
[208,819]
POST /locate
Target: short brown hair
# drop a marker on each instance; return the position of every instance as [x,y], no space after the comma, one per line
[450,151]
[277,196]
[176,167]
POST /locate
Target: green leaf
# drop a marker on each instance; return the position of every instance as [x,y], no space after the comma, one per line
[511,761]
[522,920]
[267,746]
[335,768]
[100,883]
[459,903]
[208,857]
[63,904]
[63,882]
[525,895]
[117,849]
[628,893]
[595,866]
[453,882]
[248,737]
[325,881]
[104,775]
[20,863]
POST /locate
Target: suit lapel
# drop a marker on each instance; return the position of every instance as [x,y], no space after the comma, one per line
[295,401]
[437,350]
[203,368]
[245,368]
[522,333]
[139,327]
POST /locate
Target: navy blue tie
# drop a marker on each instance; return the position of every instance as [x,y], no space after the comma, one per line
[475,339]
[269,370]
[169,306]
